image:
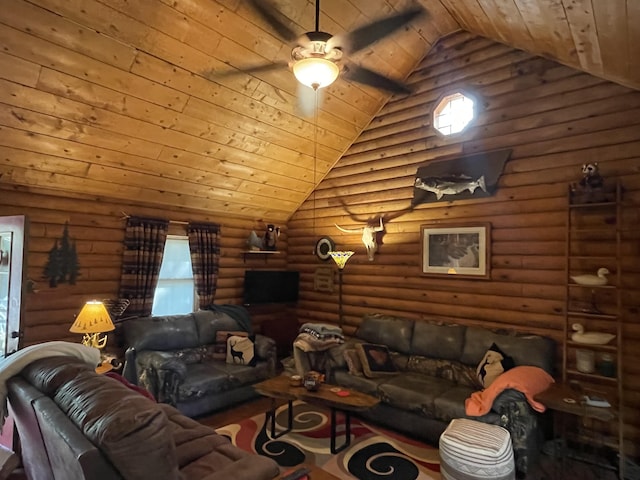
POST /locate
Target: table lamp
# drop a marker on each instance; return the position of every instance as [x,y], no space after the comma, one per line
[93,320]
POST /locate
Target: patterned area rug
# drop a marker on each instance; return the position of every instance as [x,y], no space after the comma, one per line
[374,454]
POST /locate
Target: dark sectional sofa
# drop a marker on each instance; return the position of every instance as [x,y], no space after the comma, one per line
[435,375]
[174,357]
[74,424]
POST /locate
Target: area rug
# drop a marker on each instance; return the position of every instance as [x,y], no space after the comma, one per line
[375,453]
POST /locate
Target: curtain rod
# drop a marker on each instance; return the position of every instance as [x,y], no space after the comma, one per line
[126,216]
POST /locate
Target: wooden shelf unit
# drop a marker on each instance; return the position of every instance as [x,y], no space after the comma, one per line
[593,240]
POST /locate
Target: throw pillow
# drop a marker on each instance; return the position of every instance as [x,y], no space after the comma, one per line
[353,362]
[241,350]
[494,362]
[376,360]
[220,347]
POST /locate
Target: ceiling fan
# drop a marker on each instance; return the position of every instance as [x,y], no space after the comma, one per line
[317,58]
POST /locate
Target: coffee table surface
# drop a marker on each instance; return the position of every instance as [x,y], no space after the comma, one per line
[279,387]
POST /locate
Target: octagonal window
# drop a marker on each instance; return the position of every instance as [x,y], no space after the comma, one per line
[453,113]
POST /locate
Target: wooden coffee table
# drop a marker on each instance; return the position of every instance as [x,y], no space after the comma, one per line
[280,388]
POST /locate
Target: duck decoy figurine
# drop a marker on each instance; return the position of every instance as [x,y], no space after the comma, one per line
[592,338]
[600,278]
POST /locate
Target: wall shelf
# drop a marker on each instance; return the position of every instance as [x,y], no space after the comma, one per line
[256,253]
[593,240]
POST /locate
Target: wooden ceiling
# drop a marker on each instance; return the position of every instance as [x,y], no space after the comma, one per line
[122,98]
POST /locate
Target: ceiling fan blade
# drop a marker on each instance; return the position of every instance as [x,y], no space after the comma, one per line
[366,35]
[270,15]
[246,70]
[369,77]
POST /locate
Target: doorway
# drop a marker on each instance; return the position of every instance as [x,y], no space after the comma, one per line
[12,274]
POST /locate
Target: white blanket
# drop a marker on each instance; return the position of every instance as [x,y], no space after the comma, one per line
[14,363]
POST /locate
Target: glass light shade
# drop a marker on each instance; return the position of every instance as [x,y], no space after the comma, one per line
[315,72]
[341,258]
[92,320]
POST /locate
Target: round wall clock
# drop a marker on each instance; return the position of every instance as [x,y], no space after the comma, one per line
[323,247]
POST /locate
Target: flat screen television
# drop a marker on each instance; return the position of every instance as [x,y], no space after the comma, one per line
[270,286]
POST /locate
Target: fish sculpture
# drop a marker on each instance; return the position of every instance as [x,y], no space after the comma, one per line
[450,185]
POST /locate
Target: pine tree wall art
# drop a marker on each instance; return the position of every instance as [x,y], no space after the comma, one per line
[62,265]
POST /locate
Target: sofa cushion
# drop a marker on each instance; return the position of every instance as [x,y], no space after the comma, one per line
[524,349]
[450,404]
[125,425]
[493,364]
[354,365]
[209,323]
[438,341]
[48,374]
[241,350]
[394,332]
[375,359]
[220,346]
[203,379]
[413,392]
[171,332]
[456,372]
[361,384]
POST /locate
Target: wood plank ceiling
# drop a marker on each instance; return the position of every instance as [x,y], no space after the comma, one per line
[121,99]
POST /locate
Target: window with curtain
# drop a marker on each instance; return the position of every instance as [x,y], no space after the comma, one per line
[175,293]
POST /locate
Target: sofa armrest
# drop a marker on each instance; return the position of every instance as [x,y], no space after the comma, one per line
[267,350]
[517,416]
[161,373]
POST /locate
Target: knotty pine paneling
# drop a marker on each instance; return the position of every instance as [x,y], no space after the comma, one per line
[554,119]
[97,228]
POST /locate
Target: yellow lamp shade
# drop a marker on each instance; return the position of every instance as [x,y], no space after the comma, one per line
[341,258]
[92,320]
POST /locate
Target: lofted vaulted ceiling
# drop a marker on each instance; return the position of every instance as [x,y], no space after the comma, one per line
[123,99]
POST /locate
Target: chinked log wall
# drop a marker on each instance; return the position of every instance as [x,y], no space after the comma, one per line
[554,119]
[97,227]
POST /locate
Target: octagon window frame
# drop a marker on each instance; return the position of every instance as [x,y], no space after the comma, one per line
[444,101]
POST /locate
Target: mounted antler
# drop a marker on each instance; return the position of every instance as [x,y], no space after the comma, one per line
[368,236]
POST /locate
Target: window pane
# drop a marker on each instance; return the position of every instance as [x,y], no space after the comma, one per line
[173,297]
[175,293]
[176,262]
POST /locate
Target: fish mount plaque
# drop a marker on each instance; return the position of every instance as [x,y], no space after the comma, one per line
[457,178]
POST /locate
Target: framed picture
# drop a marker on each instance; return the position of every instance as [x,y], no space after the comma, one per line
[456,249]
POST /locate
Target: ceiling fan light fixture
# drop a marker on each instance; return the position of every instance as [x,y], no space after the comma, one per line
[315,72]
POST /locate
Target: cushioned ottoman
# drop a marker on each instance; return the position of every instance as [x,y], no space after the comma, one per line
[471,450]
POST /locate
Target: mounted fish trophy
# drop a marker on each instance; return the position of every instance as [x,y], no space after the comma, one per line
[457,178]
[368,237]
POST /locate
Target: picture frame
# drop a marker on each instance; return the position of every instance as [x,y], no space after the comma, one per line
[460,250]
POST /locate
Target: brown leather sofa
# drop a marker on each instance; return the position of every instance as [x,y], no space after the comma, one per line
[75,424]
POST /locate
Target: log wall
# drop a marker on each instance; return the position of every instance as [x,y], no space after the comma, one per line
[554,119]
[97,227]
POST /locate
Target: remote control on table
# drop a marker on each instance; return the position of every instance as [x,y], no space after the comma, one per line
[296,474]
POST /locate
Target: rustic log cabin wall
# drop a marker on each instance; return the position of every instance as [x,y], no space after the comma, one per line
[97,227]
[554,119]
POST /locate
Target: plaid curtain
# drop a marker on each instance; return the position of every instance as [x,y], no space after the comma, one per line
[204,244]
[144,241]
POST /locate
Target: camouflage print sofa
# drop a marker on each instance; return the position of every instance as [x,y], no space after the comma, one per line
[177,359]
[436,373]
